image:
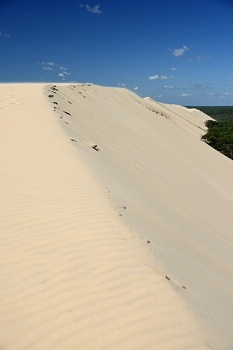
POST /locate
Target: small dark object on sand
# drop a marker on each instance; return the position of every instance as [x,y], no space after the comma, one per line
[95,148]
[67,113]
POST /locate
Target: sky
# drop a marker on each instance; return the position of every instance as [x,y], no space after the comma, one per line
[175,51]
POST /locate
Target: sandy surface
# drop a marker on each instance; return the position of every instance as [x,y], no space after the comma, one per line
[127,245]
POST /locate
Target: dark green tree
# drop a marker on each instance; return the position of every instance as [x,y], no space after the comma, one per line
[220,136]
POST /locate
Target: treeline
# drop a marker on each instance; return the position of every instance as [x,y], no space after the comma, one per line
[218,113]
[220,136]
[220,131]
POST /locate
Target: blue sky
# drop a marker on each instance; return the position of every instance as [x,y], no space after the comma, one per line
[173,51]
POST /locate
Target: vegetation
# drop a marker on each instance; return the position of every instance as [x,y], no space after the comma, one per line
[220,131]
[220,136]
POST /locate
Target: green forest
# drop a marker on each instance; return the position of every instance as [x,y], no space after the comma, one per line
[220,131]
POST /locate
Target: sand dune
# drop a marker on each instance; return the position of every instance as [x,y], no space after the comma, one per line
[191,119]
[116,223]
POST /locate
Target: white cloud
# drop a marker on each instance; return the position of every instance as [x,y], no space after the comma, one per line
[165,77]
[169,87]
[153,77]
[136,88]
[49,66]
[162,77]
[95,9]
[179,52]
[48,63]
[62,68]
[52,66]
[122,85]
[220,83]
[186,95]
[173,68]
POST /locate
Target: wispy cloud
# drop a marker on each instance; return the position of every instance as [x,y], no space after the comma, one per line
[162,77]
[220,83]
[4,34]
[168,87]
[225,96]
[47,63]
[227,93]
[179,52]
[119,84]
[153,77]
[165,77]
[186,95]
[173,68]
[202,57]
[52,66]
[202,86]
[62,68]
[64,72]
[228,96]
[136,88]
[95,9]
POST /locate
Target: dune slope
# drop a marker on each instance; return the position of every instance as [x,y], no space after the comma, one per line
[168,185]
[115,225]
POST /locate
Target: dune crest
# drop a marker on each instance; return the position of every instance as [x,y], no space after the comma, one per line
[74,271]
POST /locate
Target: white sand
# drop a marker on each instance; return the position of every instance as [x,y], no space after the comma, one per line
[76,269]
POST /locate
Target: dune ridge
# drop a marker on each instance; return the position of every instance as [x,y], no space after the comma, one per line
[74,271]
